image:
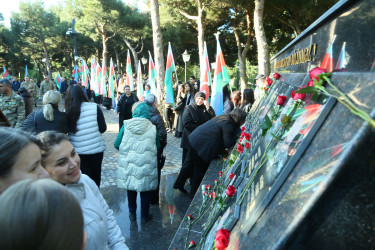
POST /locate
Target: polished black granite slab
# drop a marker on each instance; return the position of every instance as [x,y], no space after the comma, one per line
[167,215]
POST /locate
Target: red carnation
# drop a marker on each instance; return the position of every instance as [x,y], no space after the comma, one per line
[276,76]
[241,138]
[315,72]
[216,181]
[231,176]
[247,136]
[231,190]
[222,233]
[222,239]
[208,187]
[220,173]
[247,145]
[281,99]
[189,217]
[240,148]
[191,244]
[266,89]
[243,129]
[298,96]
[242,134]
[310,83]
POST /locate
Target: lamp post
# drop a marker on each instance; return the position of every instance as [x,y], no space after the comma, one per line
[186,58]
[144,61]
[73,32]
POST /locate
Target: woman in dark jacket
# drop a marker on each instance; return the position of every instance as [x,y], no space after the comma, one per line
[49,117]
[209,140]
[194,115]
[179,109]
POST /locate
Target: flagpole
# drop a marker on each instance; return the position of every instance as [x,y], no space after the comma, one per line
[217,38]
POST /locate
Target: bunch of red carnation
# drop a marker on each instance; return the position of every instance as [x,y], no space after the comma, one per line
[222,239]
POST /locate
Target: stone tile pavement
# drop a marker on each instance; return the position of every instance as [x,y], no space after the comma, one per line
[172,151]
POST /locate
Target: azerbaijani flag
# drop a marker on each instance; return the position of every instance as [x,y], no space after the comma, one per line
[341,62]
[26,71]
[139,82]
[205,74]
[58,80]
[327,62]
[6,73]
[98,73]
[103,87]
[129,74]
[152,75]
[85,74]
[170,68]
[75,73]
[92,76]
[111,87]
[221,78]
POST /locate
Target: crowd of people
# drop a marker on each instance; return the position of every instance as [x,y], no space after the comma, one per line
[67,147]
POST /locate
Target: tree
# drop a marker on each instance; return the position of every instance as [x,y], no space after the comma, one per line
[262,45]
[157,38]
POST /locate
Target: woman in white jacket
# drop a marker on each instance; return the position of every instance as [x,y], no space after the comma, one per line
[63,164]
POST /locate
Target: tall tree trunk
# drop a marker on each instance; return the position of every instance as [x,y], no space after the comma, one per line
[46,56]
[263,50]
[117,60]
[157,38]
[39,70]
[104,53]
[201,29]
[134,52]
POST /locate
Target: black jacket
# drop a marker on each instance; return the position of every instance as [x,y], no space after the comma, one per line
[125,107]
[193,117]
[159,123]
[36,120]
[211,138]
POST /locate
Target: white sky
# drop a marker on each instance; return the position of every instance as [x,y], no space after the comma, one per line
[12,6]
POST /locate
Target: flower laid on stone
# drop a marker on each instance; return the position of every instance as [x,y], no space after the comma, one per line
[189,217]
[220,173]
[240,149]
[243,129]
[310,83]
[315,72]
[241,138]
[191,244]
[231,190]
[276,76]
[298,96]
[281,99]
[216,181]
[269,81]
[266,89]
[222,239]
[247,145]
[231,176]
[208,187]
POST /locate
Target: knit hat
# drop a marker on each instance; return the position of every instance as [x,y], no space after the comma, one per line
[141,109]
[150,99]
[200,94]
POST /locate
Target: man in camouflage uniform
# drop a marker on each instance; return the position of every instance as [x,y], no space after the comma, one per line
[47,85]
[11,104]
[32,88]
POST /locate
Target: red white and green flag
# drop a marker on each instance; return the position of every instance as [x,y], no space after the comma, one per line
[111,87]
[85,73]
[98,76]
[26,72]
[327,62]
[221,78]
[205,74]
[92,75]
[139,82]
[104,75]
[75,73]
[168,80]
[129,74]
[58,81]
[152,76]
[6,73]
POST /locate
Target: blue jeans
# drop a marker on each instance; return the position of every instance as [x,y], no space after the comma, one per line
[145,202]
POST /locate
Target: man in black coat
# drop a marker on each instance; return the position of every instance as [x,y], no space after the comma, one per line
[209,140]
[157,120]
[124,105]
[64,86]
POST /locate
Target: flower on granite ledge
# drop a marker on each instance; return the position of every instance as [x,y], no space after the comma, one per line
[281,99]
[315,72]
[247,145]
[189,217]
[276,76]
[240,149]
[191,244]
[208,187]
[231,190]
[269,81]
[298,96]
[222,239]
[243,129]
[231,176]
[220,173]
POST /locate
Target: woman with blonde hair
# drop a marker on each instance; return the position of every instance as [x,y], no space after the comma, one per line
[40,214]
[49,117]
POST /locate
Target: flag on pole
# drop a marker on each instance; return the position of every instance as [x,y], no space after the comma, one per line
[327,62]
[111,87]
[85,74]
[92,75]
[139,82]
[6,73]
[103,80]
[58,81]
[129,74]
[341,62]
[205,74]
[152,76]
[221,78]
[26,72]
[97,85]
[168,80]
[75,73]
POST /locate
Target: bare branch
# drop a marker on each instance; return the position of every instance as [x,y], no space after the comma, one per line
[207,4]
[141,49]
[187,15]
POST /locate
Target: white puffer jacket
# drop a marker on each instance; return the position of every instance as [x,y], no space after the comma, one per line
[137,166]
[100,225]
[88,140]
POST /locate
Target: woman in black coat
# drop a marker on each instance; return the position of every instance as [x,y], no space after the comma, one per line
[209,140]
[49,117]
[179,109]
[194,115]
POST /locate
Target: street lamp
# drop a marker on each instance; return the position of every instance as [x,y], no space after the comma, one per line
[186,58]
[144,61]
[73,32]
